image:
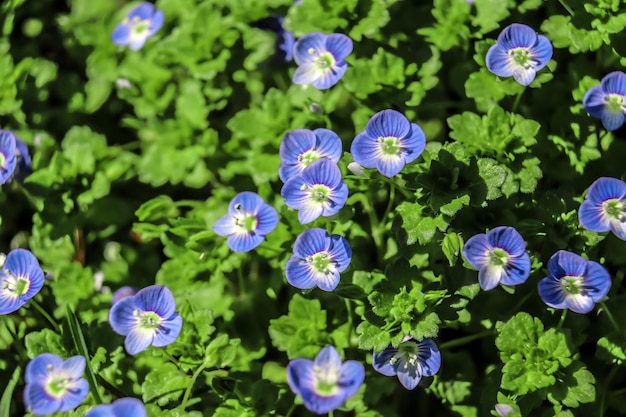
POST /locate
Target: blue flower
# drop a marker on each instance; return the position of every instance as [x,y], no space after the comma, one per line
[23,164]
[147,318]
[248,220]
[21,278]
[142,22]
[411,360]
[500,257]
[604,207]
[318,191]
[54,385]
[321,59]
[574,283]
[389,142]
[318,259]
[285,39]
[325,383]
[607,101]
[519,52]
[124,407]
[301,147]
[7,155]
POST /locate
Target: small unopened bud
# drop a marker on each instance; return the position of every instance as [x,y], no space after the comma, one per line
[356,169]
[316,108]
[504,410]
[123,83]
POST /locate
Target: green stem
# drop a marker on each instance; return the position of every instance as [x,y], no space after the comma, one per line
[240,281]
[392,197]
[406,193]
[566,7]
[375,225]
[611,318]
[349,311]
[609,377]
[45,314]
[517,101]
[293,407]
[195,376]
[562,320]
[464,340]
[21,351]
[330,414]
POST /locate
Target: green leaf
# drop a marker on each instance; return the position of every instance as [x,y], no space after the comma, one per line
[451,246]
[44,341]
[164,384]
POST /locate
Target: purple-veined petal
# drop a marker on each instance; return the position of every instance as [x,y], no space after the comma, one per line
[123,292]
[103,410]
[9,302]
[293,192]
[552,293]
[606,188]
[307,73]
[381,362]
[286,41]
[300,375]
[38,368]
[74,395]
[321,404]
[311,241]
[614,83]
[597,281]
[517,36]
[338,199]
[38,401]
[288,171]
[390,165]
[244,241]
[74,367]
[508,239]
[619,229]
[22,263]
[300,274]
[138,340]
[541,52]
[365,150]
[309,211]
[225,225]
[295,143]
[330,76]
[476,251]
[247,202]
[504,410]
[323,171]
[121,316]
[327,281]
[612,119]
[524,76]
[129,407]
[351,377]
[517,270]
[267,219]
[429,357]
[156,22]
[388,123]
[593,102]
[142,11]
[307,47]
[341,252]
[593,217]
[499,62]
[339,45]
[489,277]
[136,42]
[413,144]
[565,263]
[328,357]
[121,34]
[328,144]
[156,298]
[168,331]
[579,303]
[408,376]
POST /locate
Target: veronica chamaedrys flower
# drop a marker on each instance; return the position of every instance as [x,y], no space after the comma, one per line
[321,59]
[520,53]
[248,220]
[604,207]
[7,155]
[500,257]
[124,407]
[574,283]
[324,383]
[318,259]
[317,191]
[411,360]
[142,22]
[388,143]
[146,318]
[23,161]
[607,101]
[301,147]
[54,385]
[21,278]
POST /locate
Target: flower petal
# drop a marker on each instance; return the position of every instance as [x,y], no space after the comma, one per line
[74,395]
[168,331]
[295,143]
[299,273]
[365,150]
[597,281]
[614,83]
[499,62]
[381,362]
[247,202]
[138,340]
[619,228]
[612,119]
[121,34]
[390,165]
[330,76]
[328,357]
[156,298]
[156,22]
[508,239]
[328,144]
[593,102]
[606,188]
[489,277]
[341,252]
[388,123]
[143,11]
[38,401]
[429,357]
[351,377]
[413,144]
[541,52]
[524,76]
[593,217]
[300,375]
[517,270]
[311,42]
[121,315]
[74,367]
[129,407]
[579,303]
[267,219]
[38,368]
[337,199]
[552,293]
[311,241]
[565,263]
[323,171]
[327,281]
[225,225]
[307,73]
[408,376]
[339,45]
[244,241]
[476,251]
[517,35]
